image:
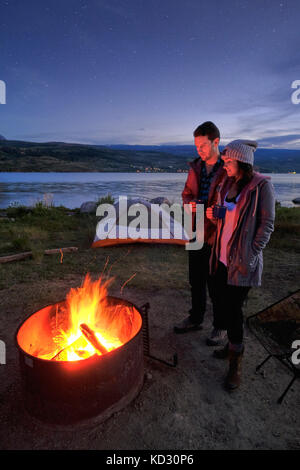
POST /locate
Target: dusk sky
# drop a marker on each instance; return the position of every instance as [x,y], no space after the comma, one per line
[149,71]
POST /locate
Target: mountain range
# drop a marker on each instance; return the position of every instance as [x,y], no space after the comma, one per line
[60,156]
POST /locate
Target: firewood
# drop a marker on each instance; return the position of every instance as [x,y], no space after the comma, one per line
[8,259]
[91,337]
[67,249]
[54,358]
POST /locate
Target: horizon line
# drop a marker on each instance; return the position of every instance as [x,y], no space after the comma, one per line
[166,144]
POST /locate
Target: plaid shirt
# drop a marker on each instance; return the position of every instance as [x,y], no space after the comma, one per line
[205,180]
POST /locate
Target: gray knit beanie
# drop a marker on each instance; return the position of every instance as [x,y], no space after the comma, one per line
[241,150]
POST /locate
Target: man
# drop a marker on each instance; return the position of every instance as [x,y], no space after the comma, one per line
[205,174]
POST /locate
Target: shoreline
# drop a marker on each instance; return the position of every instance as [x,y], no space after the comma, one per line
[71,189]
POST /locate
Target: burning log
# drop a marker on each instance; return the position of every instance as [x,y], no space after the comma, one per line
[91,338]
[56,357]
[89,335]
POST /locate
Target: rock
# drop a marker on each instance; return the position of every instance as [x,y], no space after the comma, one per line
[136,200]
[88,207]
[131,202]
[160,200]
[296,200]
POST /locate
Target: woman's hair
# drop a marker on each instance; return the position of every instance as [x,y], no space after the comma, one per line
[247,174]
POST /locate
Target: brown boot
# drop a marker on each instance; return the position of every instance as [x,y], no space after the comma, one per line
[233,378]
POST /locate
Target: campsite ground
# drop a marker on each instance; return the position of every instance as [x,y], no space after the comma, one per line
[178,408]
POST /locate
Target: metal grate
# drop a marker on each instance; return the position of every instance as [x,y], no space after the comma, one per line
[144,309]
[275,328]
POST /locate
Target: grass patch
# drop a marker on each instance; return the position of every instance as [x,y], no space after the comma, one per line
[155,267]
[41,227]
[108,199]
[286,235]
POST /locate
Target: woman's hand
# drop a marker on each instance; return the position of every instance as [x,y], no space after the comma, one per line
[209,214]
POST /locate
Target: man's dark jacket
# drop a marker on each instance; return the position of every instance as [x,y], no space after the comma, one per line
[191,191]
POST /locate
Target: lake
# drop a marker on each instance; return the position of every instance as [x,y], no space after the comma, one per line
[72,189]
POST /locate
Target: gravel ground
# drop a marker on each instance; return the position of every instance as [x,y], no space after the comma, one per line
[178,408]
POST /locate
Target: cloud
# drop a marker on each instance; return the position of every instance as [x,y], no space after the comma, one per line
[281,141]
[271,140]
[92,137]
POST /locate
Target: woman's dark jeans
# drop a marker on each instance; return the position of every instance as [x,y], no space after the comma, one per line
[227,304]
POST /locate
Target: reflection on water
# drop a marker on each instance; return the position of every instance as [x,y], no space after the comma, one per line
[72,189]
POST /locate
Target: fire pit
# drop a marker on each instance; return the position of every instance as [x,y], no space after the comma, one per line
[81,358]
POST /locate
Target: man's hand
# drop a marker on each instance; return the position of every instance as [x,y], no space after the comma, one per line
[190,207]
[209,214]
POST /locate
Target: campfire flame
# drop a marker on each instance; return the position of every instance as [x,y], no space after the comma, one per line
[87,323]
[85,334]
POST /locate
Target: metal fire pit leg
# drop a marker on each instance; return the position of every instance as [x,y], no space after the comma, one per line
[170,364]
[146,339]
[280,399]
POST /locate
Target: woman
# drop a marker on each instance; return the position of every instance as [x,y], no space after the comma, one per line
[236,261]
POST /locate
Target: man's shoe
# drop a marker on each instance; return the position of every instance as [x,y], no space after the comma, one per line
[222,353]
[233,378]
[187,325]
[217,337]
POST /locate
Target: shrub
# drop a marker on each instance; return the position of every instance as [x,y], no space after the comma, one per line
[15,210]
[108,199]
[27,238]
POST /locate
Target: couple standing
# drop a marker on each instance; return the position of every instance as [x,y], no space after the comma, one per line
[230,261]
